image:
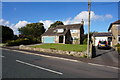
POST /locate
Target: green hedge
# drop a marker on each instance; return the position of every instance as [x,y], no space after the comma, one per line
[118,48]
[22,41]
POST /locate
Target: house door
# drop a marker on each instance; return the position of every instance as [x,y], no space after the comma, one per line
[60,39]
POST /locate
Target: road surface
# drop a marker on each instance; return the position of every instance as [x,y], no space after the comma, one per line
[16,64]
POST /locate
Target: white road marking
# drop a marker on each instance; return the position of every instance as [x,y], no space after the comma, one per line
[63,58]
[46,56]
[40,67]
[2,56]
[104,65]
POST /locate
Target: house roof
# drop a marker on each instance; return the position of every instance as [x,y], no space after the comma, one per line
[116,22]
[102,34]
[50,32]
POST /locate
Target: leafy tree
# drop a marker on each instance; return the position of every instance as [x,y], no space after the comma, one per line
[7,33]
[56,24]
[33,29]
[86,36]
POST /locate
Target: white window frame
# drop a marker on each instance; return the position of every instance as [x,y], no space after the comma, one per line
[73,30]
[118,39]
[60,30]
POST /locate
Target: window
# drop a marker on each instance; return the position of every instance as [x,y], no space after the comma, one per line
[119,39]
[73,31]
[60,30]
[118,27]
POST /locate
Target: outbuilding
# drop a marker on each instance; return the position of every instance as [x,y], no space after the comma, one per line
[102,36]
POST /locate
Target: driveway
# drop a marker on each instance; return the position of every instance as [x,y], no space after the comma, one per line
[109,56]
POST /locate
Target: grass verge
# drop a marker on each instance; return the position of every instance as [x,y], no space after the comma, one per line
[64,47]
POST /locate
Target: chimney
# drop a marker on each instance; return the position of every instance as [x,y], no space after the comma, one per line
[82,22]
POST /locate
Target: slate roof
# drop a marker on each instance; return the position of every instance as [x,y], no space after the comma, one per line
[116,22]
[102,34]
[50,32]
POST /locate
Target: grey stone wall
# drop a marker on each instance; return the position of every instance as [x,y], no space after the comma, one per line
[71,53]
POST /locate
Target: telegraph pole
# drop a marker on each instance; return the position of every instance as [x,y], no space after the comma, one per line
[88,41]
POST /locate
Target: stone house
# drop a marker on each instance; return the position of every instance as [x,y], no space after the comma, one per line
[114,28]
[66,34]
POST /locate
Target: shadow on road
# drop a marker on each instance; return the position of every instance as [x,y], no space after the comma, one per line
[95,53]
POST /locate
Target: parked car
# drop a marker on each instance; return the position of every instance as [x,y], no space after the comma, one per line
[103,44]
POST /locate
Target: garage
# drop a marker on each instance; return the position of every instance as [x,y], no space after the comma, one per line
[102,36]
[97,39]
[49,39]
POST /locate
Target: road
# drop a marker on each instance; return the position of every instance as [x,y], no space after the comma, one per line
[20,65]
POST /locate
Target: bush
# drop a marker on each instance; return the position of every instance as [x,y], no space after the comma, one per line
[118,45]
[22,41]
[85,41]
[118,48]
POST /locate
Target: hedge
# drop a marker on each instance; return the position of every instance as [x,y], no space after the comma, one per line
[23,41]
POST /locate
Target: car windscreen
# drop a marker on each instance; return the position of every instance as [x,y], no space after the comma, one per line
[103,42]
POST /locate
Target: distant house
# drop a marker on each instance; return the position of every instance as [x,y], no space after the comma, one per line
[114,28]
[102,36]
[66,34]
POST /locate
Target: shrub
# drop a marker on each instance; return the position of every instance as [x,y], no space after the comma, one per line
[118,48]
[24,41]
[85,41]
[118,45]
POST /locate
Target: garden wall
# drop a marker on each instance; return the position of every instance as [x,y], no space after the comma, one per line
[71,53]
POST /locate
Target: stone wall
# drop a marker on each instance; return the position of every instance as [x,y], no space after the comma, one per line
[71,53]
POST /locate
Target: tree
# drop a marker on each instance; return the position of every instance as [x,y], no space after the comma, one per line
[33,29]
[56,24]
[7,33]
[86,36]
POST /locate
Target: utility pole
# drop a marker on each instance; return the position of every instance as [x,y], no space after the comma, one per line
[88,41]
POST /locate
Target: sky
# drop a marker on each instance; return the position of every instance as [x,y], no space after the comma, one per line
[18,14]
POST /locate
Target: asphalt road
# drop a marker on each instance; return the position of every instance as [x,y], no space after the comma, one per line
[107,56]
[20,65]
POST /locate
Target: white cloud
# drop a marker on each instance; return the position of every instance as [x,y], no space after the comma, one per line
[77,19]
[46,23]
[67,21]
[84,15]
[4,22]
[108,16]
[21,24]
[18,25]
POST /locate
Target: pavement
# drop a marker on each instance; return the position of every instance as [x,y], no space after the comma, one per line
[23,64]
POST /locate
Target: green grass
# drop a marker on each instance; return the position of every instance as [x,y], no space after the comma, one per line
[2,44]
[64,47]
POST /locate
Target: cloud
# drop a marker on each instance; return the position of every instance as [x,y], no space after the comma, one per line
[77,19]
[19,25]
[84,15]
[4,22]
[14,27]
[108,16]
[46,23]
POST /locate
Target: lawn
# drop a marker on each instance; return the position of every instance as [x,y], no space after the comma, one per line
[64,47]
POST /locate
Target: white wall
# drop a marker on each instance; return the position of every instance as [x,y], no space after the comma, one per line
[97,39]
